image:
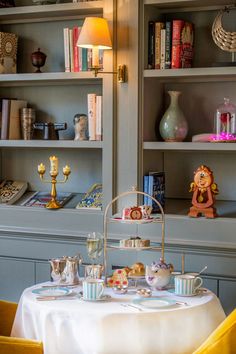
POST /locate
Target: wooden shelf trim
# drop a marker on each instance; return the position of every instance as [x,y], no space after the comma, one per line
[193,74]
[188,146]
[58,78]
[40,13]
[59,144]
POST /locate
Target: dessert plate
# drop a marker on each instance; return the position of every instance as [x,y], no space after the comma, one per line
[52,291]
[155,302]
[102,298]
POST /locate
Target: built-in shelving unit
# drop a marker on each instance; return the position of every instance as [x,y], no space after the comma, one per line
[52,144]
[40,13]
[203,88]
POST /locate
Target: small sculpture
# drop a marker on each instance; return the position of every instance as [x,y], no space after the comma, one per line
[81,127]
[50,130]
[204,189]
[38,60]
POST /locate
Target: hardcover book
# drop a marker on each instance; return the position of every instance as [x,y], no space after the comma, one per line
[8,51]
[92,199]
[158,27]
[168,45]
[11,191]
[154,185]
[151,45]
[40,199]
[178,26]
[92,116]
[11,128]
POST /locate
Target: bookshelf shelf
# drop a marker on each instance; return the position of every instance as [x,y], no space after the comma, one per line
[189,146]
[193,75]
[186,3]
[59,78]
[55,144]
[44,13]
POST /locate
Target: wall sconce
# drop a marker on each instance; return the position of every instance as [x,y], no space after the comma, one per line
[95,35]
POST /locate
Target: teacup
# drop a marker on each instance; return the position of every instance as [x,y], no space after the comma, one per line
[93,289]
[186,285]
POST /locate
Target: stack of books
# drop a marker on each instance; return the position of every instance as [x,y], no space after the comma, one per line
[10,110]
[76,58]
[170,44]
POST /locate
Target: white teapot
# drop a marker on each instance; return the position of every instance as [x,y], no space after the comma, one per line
[158,274]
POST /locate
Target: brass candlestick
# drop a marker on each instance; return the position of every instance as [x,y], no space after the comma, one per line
[53,203]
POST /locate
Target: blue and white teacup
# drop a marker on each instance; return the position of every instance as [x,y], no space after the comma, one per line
[186,284]
[93,289]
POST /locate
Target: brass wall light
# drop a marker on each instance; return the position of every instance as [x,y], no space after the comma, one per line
[95,35]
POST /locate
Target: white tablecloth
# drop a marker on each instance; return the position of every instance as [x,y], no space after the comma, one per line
[79,327]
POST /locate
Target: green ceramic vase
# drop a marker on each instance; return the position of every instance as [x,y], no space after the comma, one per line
[173,126]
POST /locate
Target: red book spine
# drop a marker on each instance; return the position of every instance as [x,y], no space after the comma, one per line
[187,45]
[76,55]
[176,43]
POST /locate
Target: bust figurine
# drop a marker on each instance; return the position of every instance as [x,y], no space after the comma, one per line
[81,127]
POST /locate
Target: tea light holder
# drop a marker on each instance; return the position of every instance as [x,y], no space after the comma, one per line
[53,203]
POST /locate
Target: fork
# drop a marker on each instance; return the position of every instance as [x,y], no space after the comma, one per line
[133,306]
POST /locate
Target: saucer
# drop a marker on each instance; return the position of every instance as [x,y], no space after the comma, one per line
[102,298]
[172,291]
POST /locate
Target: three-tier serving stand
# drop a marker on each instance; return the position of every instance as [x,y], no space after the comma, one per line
[159,218]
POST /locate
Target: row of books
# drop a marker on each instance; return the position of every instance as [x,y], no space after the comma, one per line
[154,185]
[94,116]
[10,112]
[11,191]
[170,44]
[76,58]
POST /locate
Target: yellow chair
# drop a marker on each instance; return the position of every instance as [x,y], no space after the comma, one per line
[222,340]
[10,345]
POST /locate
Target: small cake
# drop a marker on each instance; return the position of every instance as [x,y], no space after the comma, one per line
[119,278]
[137,269]
[134,242]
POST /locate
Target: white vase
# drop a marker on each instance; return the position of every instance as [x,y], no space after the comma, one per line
[173,125]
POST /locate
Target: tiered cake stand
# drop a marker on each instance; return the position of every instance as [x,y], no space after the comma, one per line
[156,218]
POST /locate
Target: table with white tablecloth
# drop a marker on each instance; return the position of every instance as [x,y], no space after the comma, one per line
[108,327]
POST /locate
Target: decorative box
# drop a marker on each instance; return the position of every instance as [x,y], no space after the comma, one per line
[8,50]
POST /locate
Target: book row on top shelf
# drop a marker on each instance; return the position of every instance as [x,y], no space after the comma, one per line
[183,38]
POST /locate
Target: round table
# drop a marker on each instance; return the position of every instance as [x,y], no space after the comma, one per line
[76,326]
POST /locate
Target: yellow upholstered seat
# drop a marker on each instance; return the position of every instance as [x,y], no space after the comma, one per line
[222,340]
[10,345]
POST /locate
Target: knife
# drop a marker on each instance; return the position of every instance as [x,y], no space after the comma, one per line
[50,298]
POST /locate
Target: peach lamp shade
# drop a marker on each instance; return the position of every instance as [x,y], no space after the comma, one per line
[95,34]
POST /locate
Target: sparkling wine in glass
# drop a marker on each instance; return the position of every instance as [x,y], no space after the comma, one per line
[94,245]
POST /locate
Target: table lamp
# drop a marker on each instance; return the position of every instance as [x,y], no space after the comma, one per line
[95,35]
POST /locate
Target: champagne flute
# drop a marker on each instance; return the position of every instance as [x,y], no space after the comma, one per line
[94,245]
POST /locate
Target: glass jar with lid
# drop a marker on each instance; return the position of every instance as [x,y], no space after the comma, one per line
[225,127]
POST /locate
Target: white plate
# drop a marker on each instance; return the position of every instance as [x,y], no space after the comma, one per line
[135,248]
[102,298]
[141,221]
[155,302]
[52,291]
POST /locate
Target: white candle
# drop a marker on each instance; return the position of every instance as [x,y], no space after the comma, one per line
[54,164]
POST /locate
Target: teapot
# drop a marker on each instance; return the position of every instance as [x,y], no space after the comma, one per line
[57,267]
[70,275]
[158,274]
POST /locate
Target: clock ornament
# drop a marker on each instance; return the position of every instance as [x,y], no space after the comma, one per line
[136,213]
[204,190]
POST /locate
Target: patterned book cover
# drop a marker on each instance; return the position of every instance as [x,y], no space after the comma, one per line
[156,188]
[11,191]
[168,45]
[40,199]
[177,26]
[187,36]
[92,199]
[158,27]
[8,52]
